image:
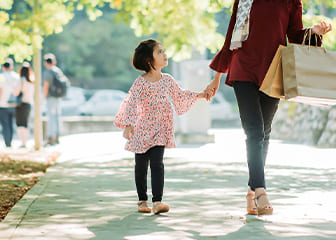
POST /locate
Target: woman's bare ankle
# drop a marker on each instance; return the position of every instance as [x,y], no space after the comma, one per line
[262,199]
[250,192]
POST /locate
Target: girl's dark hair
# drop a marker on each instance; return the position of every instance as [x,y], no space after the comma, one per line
[143,55]
[25,71]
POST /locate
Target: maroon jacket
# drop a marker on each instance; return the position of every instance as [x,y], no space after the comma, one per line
[270,23]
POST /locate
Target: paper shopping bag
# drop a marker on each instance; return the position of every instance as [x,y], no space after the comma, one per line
[272,84]
[309,74]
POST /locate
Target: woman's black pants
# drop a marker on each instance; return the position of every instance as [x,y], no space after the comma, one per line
[257,111]
[155,157]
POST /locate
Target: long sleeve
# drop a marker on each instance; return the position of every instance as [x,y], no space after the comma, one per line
[183,100]
[126,115]
[296,32]
[222,60]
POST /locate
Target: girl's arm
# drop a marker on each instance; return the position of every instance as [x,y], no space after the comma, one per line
[126,116]
[183,100]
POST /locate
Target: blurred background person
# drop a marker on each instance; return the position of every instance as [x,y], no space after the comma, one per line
[22,110]
[51,92]
[8,82]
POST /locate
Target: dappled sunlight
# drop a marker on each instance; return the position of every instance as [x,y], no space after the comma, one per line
[206,199]
[116,194]
[176,235]
[52,231]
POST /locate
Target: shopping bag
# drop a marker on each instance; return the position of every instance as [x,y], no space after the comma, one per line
[272,84]
[309,74]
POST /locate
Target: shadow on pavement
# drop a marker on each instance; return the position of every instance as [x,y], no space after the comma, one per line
[207,201]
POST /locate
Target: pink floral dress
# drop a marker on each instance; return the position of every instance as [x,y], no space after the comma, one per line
[147,107]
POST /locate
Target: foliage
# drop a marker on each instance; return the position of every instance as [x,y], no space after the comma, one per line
[88,52]
[179,24]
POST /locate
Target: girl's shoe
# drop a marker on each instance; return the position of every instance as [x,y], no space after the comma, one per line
[265,210]
[159,207]
[143,207]
[251,204]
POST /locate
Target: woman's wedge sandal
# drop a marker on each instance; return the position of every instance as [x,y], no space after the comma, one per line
[251,206]
[266,210]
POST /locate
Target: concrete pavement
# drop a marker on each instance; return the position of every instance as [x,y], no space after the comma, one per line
[90,193]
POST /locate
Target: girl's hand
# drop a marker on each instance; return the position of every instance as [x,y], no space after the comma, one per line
[321,28]
[202,94]
[207,92]
[128,132]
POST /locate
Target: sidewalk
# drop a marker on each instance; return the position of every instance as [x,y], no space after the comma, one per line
[90,194]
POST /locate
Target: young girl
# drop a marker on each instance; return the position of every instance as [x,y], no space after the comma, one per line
[146,115]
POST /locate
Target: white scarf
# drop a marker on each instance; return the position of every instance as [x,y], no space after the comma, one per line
[241,28]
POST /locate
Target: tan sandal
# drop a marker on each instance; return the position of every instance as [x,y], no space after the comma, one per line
[251,208]
[266,210]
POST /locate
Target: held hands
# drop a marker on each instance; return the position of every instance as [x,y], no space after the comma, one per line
[128,132]
[321,28]
[212,88]
[205,93]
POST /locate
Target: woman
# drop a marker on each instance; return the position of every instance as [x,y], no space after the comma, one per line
[22,110]
[256,29]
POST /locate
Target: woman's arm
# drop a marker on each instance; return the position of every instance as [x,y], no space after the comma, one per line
[212,88]
[296,32]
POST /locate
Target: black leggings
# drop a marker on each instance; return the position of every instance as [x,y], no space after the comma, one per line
[155,156]
[257,111]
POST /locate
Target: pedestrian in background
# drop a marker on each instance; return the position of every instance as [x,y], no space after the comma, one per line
[50,77]
[22,110]
[8,82]
[256,29]
[146,115]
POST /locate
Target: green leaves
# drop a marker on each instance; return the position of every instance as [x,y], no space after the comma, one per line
[180,24]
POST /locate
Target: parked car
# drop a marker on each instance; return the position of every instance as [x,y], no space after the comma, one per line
[70,104]
[103,103]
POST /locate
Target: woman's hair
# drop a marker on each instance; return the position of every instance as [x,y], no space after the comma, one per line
[26,71]
[143,55]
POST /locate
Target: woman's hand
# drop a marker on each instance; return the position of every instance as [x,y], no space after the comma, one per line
[212,88]
[321,28]
[128,132]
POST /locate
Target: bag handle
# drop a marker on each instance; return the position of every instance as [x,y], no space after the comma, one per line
[308,33]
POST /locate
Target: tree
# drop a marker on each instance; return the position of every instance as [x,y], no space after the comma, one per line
[180,24]
[93,55]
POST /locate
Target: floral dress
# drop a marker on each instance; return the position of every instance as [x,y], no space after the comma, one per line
[147,107]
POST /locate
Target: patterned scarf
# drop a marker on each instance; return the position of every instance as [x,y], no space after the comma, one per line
[241,28]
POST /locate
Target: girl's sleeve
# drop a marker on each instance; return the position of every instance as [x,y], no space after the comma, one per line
[296,32]
[221,62]
[126,116]
[183,100]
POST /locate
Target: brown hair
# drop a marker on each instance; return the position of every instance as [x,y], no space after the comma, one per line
[143,55]
[26,71]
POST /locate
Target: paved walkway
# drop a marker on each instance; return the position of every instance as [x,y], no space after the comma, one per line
[90,194]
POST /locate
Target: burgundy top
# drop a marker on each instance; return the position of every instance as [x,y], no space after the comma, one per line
[270,23]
